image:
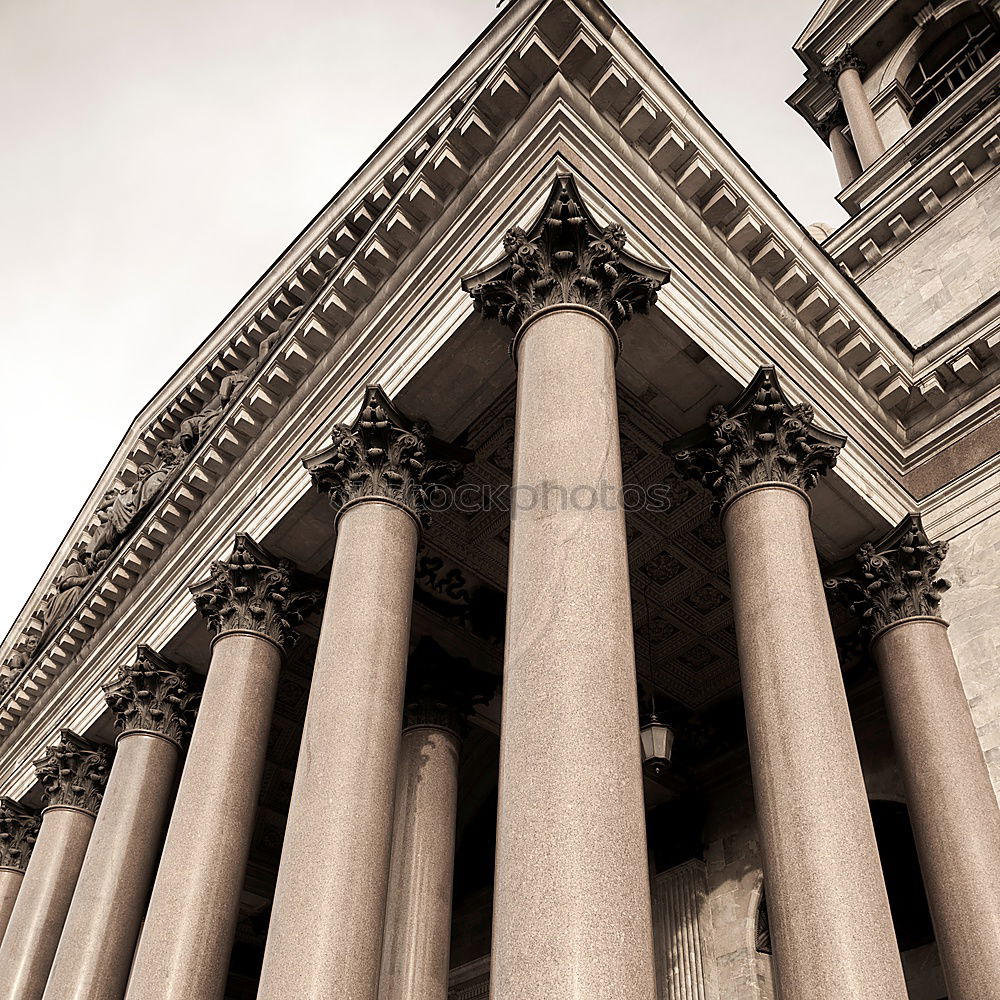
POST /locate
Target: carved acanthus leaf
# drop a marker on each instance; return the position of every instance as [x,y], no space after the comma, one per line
[760,438]
[383,454]
[848,59]
[255,591]
[565,258]
[153,695]
[18,830]
[894,578]
[74,772]
[442,690]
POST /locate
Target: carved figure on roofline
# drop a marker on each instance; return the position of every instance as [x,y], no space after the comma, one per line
[19,659]
[69,584]
[119,508]
[193,428]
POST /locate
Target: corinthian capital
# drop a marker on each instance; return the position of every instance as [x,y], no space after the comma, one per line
[18,830]
[565,258]
[441,690]
[848,59]
[761,437]
[153,695]
[383,455]
[895,578]
[74,772]
[254,591]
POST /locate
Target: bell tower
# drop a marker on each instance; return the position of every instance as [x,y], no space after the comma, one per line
[907,97]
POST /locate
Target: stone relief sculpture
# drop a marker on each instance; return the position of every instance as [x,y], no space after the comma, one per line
[120,509]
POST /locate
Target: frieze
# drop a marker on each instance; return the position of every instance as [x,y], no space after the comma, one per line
[565,258]
[122,508]
[255,591]
[153,695]
[894,578]
[761,437]
[18,832]
[74,772]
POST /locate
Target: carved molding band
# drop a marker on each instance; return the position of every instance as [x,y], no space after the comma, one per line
[153,695]
[255,591]
[895,578]
[18,831]
[74,772]
[759,438]
[565,258]
[441,690]
[383,455]
[121,509]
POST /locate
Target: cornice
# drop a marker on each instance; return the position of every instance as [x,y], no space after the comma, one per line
[787,304]
[837,25]
[417,326]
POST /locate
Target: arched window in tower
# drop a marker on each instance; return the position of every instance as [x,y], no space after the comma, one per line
[949,61]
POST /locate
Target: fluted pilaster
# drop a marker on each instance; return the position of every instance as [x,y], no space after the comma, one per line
[681,934]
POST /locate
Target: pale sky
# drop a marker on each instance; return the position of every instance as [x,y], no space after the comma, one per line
[158,155]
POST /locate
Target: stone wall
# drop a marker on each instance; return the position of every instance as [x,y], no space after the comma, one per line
[945,271]
[973,568]
[735,883]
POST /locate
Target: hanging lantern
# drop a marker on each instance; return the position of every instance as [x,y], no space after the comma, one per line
[657,743]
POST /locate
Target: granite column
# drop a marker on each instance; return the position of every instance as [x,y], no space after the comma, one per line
[440,693]
[18,832]
[325,937]
[154,706]
[845,74]
[571,911]
[830,921]
[952,805]
[845,156]
[72,774]
[252,601]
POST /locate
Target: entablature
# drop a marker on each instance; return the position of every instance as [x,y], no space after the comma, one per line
[558,91]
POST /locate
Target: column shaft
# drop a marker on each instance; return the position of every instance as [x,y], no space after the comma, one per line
[864,128]
[833,935]
[845,157]
[572,904]
[98,942]
[10,883]
[956,823]
[325,936]
[36,922]
[184,948]
[417,939]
